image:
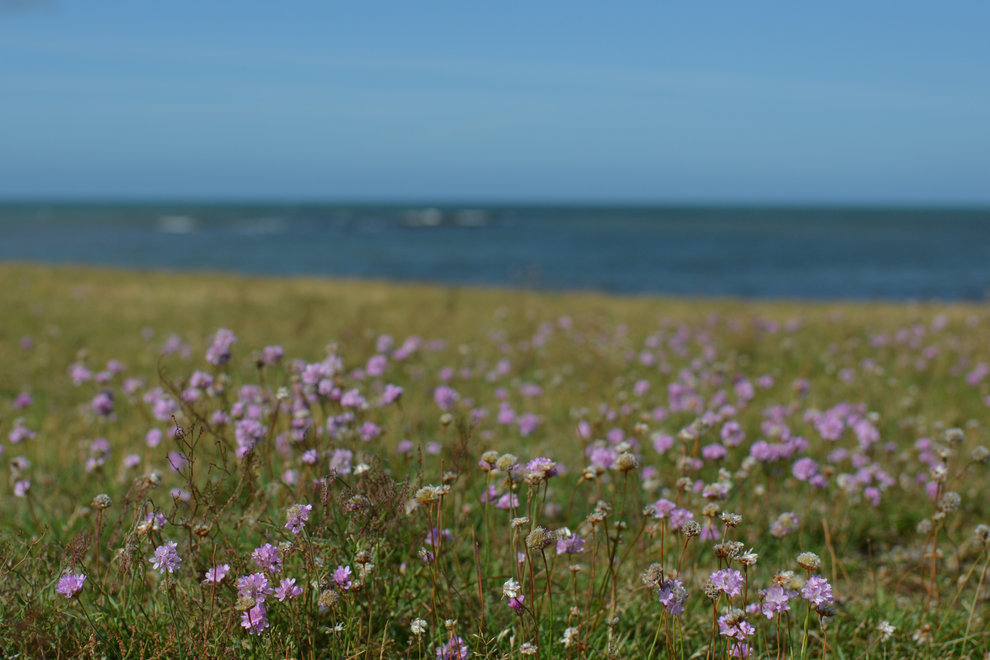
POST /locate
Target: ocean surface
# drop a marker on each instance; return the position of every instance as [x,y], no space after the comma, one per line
[748,252]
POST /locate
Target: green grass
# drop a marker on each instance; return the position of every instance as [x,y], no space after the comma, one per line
[583,351]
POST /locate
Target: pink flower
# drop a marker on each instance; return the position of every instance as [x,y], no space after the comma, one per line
[71,584]
[296,517]
[255,620]
[166,558]
[287,590]
[215,574]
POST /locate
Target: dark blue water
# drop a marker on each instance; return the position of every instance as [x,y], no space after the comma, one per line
[812,253]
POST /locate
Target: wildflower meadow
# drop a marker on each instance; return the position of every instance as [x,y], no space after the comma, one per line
[206,466]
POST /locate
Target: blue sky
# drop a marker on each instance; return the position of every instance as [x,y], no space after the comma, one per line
[541,101]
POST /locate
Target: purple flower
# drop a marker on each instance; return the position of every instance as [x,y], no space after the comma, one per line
[20,433]
[572,545]
[445,397]
[738,629]
[455,649]
[340,461]
[272,354]
[804,468]
[218,354]
[296,517]
[732,433]
[215,574]
[435,536]
[247,432]
[287,590]
[391,394]
[507,501]
[342,576]
[255,620]
[541,466]
[21,487]
[528,423]
[516,603]
[679,517]
[254,586]
[166,557]
[729,581]
[713,452]
[664,508]
[784,524]
[369,431]
[376,365]
[817,591]
[102,404]
[673,595]
[266,557]
[776,599]
[71,584]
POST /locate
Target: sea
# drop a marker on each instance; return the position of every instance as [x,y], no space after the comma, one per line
[813,253]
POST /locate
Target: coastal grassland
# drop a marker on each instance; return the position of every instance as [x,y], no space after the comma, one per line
[848,430]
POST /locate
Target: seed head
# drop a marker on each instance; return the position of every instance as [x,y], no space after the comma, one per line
[691,528]
[539,538]
[980,454]
[784,579]
[809,561]
[101,501]
[748,558]
[731,519]
[328,598]
[506,462]
[711,510]
[653,575]
[954,436]
[427,495]
[949,502]
[626,462]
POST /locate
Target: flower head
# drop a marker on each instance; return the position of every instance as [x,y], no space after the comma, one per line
[71,584]
[255,620]
[267,558]
[254,586]
[216,574]
[296,517]
[817,591]
[287,590]
[166,558]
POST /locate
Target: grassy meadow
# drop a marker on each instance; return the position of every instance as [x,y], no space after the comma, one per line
[205,465]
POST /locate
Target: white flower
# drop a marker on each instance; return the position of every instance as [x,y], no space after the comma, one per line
[510,589]
[886,630]
[527,649]
[418,626]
